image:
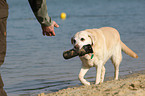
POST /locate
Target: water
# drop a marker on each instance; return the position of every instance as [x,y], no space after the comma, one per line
[34,63]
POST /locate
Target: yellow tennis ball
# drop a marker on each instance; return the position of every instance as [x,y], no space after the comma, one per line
[63,15]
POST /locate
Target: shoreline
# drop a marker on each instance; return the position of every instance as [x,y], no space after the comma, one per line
[127,85]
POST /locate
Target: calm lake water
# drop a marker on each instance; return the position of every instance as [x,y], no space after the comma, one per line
[34,63]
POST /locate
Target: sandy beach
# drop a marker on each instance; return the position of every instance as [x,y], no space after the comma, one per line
[129,85]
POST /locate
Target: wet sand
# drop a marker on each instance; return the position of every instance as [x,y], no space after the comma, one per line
[129,85]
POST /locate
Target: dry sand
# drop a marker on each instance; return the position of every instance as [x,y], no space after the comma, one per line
[129,85]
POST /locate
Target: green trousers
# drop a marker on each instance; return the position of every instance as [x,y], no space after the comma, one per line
[3,24]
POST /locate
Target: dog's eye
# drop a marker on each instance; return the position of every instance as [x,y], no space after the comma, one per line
[82,39]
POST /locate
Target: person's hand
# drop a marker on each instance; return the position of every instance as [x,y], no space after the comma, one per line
[49,30]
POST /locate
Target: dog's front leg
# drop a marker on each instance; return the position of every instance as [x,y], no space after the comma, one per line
[82,73]
[98,73]
[102,74]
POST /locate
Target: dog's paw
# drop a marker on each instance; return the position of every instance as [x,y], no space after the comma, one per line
[87,83]
[97,83]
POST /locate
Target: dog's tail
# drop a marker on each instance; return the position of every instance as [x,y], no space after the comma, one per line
[128,51]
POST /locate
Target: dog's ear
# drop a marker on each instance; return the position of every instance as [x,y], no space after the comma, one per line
[92,38]
[72,39]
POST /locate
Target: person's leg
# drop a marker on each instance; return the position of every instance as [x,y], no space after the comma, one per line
[3,24]
[2,91]
[2,40]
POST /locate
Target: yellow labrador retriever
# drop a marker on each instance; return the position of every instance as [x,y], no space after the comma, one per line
[106,44]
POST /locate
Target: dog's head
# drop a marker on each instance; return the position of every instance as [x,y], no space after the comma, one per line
[82,38]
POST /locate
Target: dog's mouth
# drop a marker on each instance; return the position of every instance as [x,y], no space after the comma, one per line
[84,55]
